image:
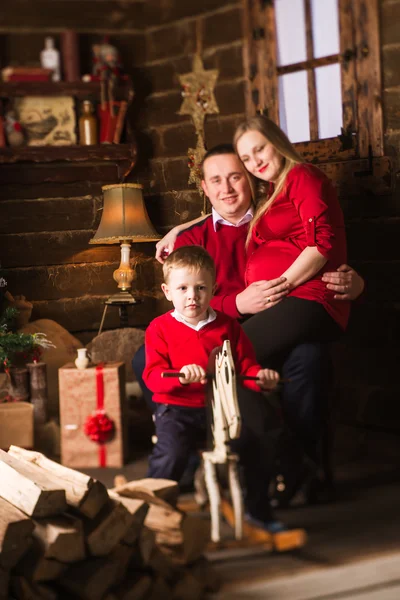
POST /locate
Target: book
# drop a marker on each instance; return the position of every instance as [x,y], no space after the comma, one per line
[26,74]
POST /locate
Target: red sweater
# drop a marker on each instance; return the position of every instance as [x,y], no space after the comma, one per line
[306,213]
[170,345]
[225,242]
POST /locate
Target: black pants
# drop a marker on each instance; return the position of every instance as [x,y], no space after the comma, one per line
[181,431]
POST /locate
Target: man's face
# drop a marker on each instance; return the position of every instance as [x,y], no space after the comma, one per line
[227,186]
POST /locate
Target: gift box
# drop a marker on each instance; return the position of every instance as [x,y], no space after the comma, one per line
[16,424]
[93,416]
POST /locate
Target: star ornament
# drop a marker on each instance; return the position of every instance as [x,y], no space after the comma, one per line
[198,92]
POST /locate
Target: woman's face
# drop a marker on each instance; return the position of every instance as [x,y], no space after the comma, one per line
[259,156]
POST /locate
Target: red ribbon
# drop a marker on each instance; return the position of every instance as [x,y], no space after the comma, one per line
[98,426]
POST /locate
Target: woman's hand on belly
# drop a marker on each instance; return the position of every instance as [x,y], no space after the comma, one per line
[261,295]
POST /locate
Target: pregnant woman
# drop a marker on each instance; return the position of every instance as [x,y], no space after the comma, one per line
[297,232]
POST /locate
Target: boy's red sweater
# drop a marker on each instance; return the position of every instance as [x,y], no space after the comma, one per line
[170,345]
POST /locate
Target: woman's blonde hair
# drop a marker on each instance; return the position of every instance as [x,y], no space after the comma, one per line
[283,145]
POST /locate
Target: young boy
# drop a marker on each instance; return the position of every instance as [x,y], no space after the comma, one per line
[182,340]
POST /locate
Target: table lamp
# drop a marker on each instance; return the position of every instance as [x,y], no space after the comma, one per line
[124,220]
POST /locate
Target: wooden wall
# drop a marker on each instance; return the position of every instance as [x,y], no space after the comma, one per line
[49,214]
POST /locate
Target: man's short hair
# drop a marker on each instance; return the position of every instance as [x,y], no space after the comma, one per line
[193,258]
[217,151]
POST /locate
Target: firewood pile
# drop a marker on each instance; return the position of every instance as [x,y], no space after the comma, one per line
[64,536]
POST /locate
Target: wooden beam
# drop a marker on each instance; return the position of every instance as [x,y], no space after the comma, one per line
[61,538]
[348,65]
[312,92]
[311,63]
[368,70]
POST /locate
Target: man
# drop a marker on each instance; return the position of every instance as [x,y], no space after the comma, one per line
[223,234]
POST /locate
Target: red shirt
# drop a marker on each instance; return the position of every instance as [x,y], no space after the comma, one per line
[226,246]
[170,345]
[306,213]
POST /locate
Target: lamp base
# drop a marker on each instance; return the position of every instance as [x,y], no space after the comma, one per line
[122,298]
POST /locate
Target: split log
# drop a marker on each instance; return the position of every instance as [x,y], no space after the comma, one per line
[90,579]
[133,588]
[28,488]
[61,538]
[160,590]
[36,567]
[23,589]
[204,571]
[4,579]
[38,391]
[164,489]
[86,495]
[108,528]
[188,588]
[147,543]
[138,509]
[15,534]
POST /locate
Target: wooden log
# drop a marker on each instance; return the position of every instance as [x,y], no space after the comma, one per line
[204,571]
[147,543]
[23,589]
[135,587]
[161,519]
[19,384]
[38,391]
[188,588]
[122,555]
[84,494]
[15,534]
[165,489]
[61,538]
[4,580]
[36,567]
[90,579]
[28,487]
[108,528]
[138,509]
[160,590]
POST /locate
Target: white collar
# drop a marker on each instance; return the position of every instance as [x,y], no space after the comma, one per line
[211,316]
[218,219]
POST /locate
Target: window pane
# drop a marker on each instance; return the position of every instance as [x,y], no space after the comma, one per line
[290,32]
[329,100]
[294,115]
[325,27]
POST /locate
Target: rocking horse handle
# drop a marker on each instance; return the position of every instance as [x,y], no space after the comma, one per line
[208,376]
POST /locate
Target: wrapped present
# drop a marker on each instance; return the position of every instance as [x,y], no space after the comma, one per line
[16,424]
[93,415]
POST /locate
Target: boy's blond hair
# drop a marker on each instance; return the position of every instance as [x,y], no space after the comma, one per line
[193,258]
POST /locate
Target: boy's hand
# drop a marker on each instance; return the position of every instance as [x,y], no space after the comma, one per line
[267,379]
[193,374]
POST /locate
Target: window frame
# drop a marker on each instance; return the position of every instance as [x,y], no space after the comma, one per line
[362,132]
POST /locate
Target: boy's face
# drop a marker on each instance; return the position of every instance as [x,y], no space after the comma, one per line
[190,292]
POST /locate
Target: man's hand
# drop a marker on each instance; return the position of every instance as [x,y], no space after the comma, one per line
[166,245]
[346,282]
[267,379]
[261,295]
[193,374]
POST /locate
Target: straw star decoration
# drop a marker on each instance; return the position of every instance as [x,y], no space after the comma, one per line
[198,93]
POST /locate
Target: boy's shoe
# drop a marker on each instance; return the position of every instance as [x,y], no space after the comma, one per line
[283,538]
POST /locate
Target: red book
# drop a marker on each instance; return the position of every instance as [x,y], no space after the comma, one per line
[26,74]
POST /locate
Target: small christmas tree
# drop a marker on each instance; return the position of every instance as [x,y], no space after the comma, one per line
[17,347]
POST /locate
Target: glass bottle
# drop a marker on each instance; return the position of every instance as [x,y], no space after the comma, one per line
[87,125]
[50,58]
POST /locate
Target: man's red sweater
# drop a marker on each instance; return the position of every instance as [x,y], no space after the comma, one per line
[226,246]
[170,345]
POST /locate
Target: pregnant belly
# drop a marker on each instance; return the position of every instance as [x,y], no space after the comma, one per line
[270,260]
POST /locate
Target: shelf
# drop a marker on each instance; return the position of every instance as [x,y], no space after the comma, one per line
[78,89]
[112,152]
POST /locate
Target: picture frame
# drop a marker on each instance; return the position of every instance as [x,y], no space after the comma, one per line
[47,120]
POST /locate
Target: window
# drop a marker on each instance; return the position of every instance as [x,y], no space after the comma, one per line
[313,66]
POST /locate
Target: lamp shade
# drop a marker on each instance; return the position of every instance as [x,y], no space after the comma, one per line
[124,216]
